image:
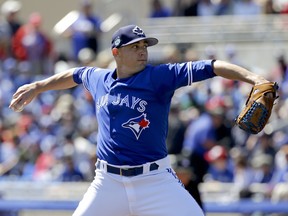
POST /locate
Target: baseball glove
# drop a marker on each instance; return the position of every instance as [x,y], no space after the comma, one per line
[257,111]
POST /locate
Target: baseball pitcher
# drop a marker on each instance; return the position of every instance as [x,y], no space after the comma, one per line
[133,173]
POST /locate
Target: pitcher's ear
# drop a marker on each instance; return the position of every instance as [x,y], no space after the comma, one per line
[115,51]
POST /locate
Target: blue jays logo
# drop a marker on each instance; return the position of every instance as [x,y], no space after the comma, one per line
[138,31]
[117,41]
[137,125]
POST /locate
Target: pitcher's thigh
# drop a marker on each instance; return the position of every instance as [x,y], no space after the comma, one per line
[104,197]
[177,201]
[167,198]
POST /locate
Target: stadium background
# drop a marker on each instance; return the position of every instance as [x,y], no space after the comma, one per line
[139,10]
[258,49]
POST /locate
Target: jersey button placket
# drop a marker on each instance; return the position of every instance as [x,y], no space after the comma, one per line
[112,115]
[113,130]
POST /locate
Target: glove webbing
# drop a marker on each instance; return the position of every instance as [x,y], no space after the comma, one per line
[249,115]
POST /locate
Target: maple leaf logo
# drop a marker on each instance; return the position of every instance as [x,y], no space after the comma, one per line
[137,124]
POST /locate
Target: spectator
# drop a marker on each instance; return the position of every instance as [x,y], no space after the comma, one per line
[86,57]
[206,8]
[220,168]
[284,8]
[186,8]
[264,169]
[269,7]
[192,8]
[210,52]
[197,141]
[280,71]
[232,55]
[280,194]
[174,141]
[202,134]
[176,132]
[282,173]
[9,153]
[224,7]
[9,26]
[86,30]
[70,172]
[159,10]
[261,145]
[171,53]
[243,174]
[10,10]
[280,157]
[31,45]
[247,7]
[46,162]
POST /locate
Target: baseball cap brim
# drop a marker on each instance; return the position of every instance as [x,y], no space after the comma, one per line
[151,41]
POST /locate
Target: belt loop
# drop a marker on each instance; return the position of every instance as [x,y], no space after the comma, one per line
[104,166]
[146,167]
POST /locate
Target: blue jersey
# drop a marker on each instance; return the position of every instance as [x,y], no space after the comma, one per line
[132,112]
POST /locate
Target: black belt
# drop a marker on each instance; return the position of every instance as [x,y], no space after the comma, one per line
[128,171]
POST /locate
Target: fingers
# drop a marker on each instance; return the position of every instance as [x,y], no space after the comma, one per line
[23,96]
[18,92]
[17,103]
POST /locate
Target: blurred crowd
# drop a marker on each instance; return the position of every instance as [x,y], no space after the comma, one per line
[54,138]
[206,146]
[217,8]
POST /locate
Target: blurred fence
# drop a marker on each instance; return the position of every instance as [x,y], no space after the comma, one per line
[251,35]
[234,29]
[241,206]
[31,196]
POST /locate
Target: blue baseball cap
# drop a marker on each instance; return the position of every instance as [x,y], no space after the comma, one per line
[131,34]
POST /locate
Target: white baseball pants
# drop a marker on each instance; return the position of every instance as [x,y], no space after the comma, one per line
[154,193]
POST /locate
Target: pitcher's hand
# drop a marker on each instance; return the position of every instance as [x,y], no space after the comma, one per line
[22,97]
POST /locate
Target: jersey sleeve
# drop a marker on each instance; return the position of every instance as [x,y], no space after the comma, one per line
[169,77]
[202,70]
[85,76]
